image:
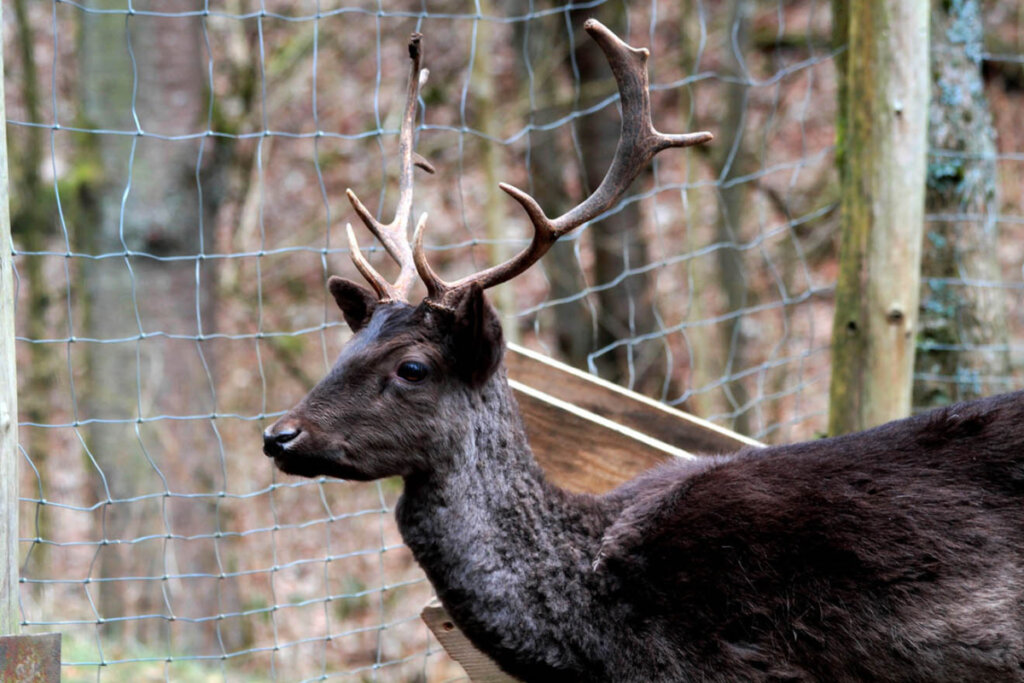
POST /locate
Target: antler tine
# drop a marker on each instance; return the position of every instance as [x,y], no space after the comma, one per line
[395,235]
[638,143]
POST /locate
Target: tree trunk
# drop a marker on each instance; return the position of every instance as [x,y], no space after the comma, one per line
[883,156]
[729,158]
[702,344]
[152,200]
[495,202]
[963,348]
[628,309]
[573,321]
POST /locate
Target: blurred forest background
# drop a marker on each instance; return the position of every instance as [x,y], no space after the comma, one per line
[178,173]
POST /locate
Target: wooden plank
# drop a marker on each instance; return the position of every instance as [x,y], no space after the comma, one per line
[584,452]
[627,408]
[9,616]
[479,667]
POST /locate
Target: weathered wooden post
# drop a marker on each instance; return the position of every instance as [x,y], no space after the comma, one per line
[22,658]
[882,155]
[9,618]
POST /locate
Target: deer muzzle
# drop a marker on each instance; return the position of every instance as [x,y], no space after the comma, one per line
[279,436]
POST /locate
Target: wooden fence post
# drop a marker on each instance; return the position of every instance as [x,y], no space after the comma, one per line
[882,152]
[9,614]
[36,657]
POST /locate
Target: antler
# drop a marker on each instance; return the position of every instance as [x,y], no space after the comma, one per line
[395,235]
[638,143]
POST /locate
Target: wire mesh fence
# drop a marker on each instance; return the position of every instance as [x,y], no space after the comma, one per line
[178,174]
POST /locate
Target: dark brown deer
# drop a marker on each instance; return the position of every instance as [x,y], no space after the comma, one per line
[894,554]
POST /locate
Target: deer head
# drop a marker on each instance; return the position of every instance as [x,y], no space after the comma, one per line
[396,399]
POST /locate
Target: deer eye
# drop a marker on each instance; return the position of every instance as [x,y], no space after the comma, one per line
[412,371]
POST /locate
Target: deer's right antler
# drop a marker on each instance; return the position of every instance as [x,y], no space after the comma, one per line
[395,235]
[638,143]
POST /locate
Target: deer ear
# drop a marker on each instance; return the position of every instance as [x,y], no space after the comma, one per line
[355,301]
[478,343]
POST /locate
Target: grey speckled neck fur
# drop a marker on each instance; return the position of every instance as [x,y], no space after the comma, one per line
[510,555]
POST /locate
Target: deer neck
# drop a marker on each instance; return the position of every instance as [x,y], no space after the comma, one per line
[510,555]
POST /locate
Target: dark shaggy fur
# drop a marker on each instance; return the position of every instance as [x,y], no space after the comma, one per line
[894,554]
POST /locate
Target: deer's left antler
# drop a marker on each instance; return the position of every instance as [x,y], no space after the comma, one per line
[638,143]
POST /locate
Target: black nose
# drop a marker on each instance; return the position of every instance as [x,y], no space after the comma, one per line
[275,440]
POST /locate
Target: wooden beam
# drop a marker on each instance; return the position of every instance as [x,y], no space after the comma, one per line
[479,667]
[627,408]
[9,614]
[582,451]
